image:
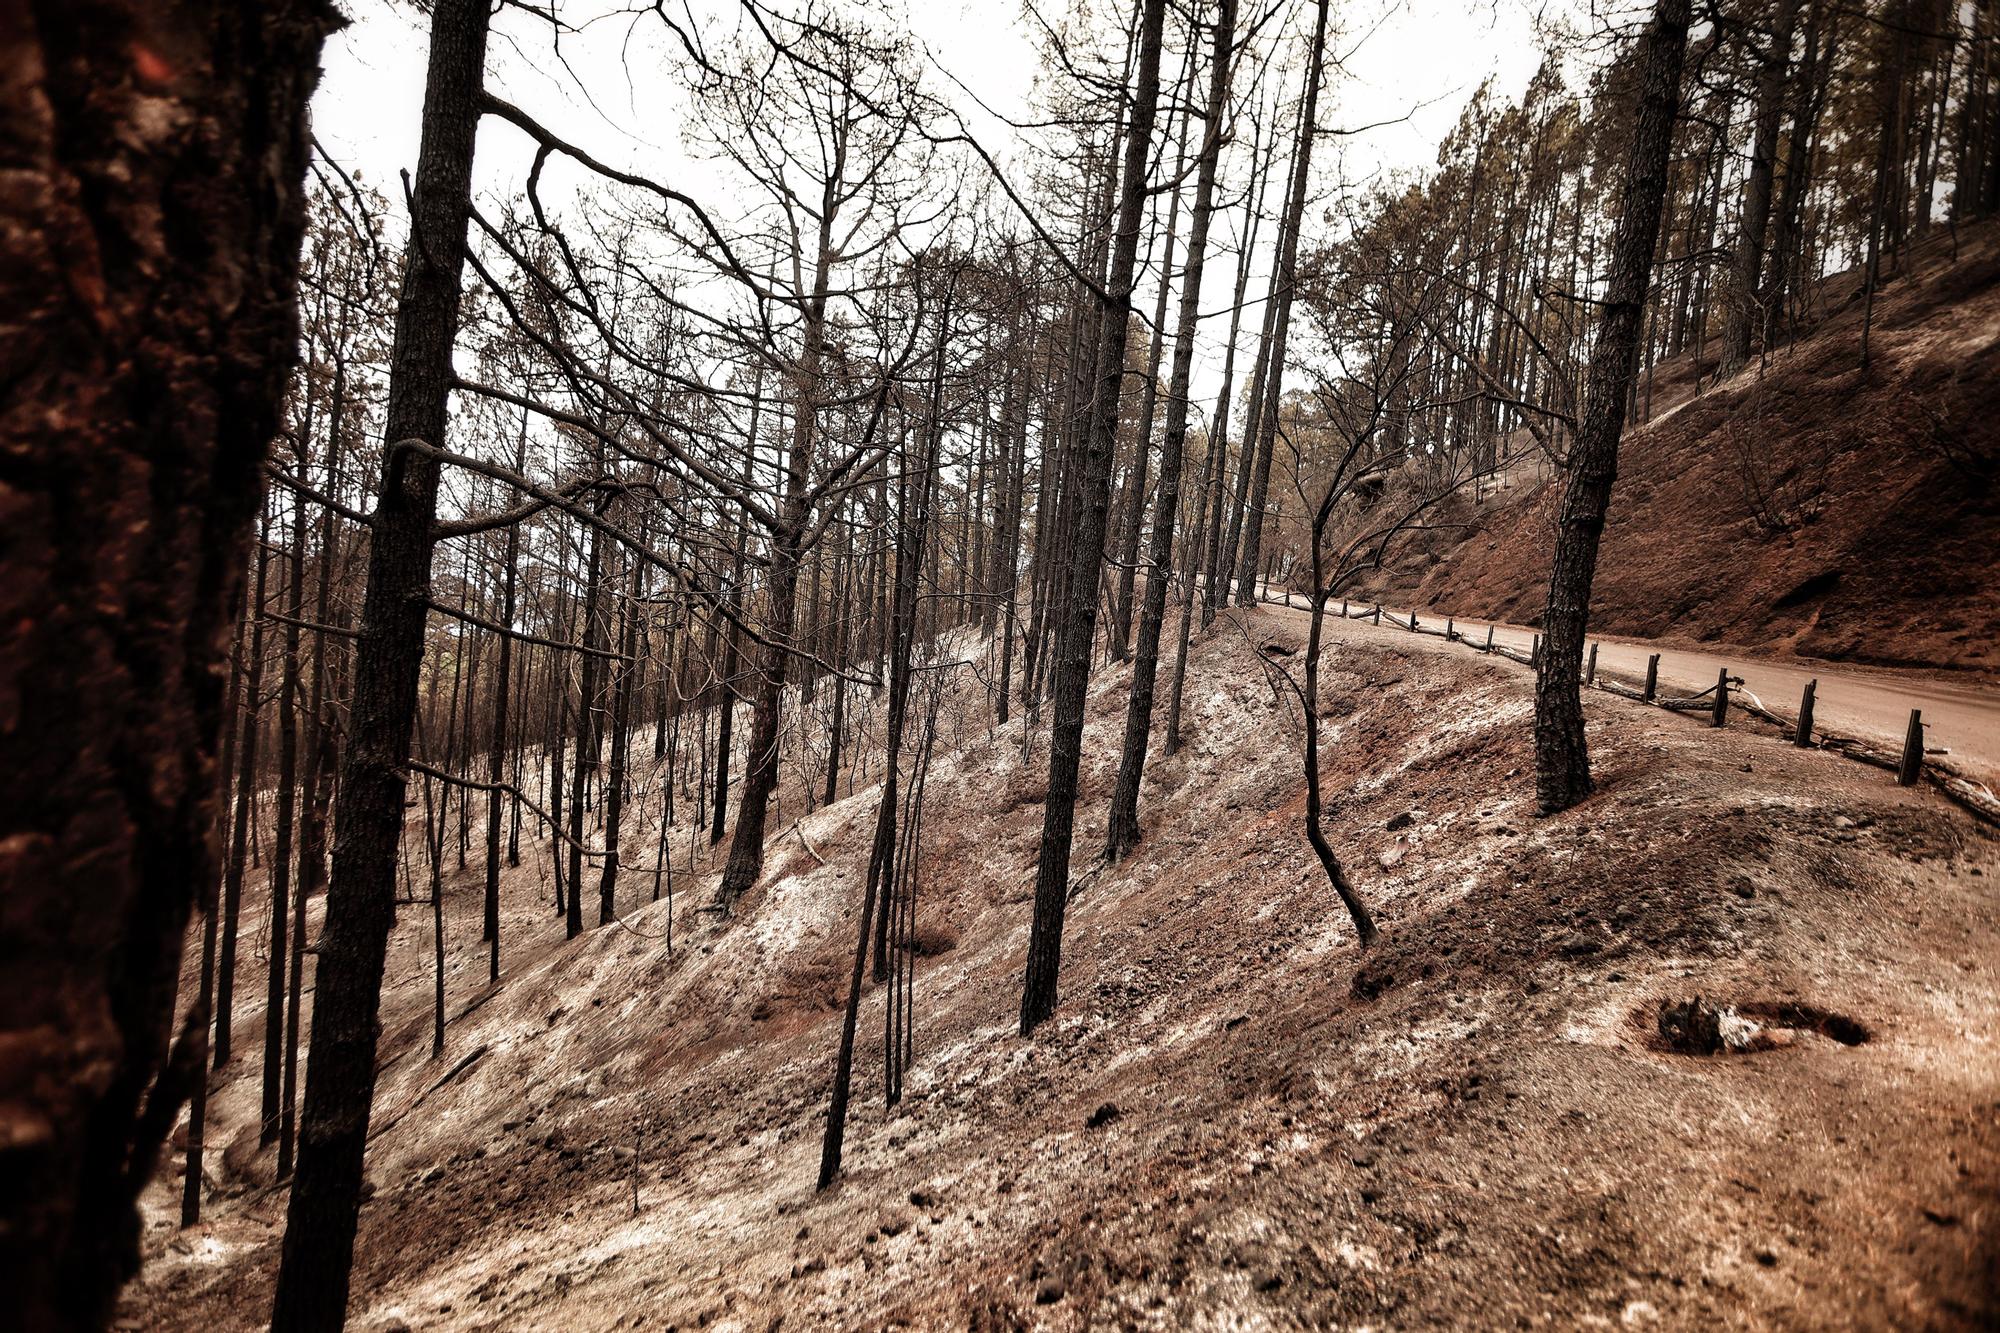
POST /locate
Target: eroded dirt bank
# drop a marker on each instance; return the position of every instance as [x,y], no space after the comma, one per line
[1237,1120]
[1801,507]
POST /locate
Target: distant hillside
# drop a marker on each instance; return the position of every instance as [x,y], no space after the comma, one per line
[1808,509]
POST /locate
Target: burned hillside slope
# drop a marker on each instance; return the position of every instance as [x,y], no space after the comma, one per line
[1237,1118]
[1804,506]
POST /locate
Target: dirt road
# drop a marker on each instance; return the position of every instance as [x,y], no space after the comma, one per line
[1961,718]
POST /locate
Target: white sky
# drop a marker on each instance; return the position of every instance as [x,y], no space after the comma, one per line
[614,93]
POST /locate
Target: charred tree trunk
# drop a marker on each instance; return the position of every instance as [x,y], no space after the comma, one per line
[1132,523]
[1808,97]
[621,726]
[1562,758]
[1213,560]
[1286,285]
[318,744]
[340,1082]
[1748,259]
[732,657]
[1007,562]
[1077,618]
[280,878]
[760,778]
[842,640]
[913,521]
[153,209]
[1122,833]
[497,758]
[246,800]
[589,732]
[191,1183]
[1357,911]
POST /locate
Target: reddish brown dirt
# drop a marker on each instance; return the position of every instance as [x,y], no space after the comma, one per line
[1471,1126]
[1890,481]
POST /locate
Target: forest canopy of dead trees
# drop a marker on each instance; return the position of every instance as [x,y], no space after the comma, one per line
[609,523]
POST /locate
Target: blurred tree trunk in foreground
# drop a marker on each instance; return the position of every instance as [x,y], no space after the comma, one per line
[152,208]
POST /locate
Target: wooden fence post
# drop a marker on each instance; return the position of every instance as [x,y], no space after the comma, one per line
[1378,613]
[1720,716]
[1590,672]
[1652,676]
[1489,640]
[1535,652]
[1802,737]
[1449,632]
[1413,622]
[1343,608]
[1913,751]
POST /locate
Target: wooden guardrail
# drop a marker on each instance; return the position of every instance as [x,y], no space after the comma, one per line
[1913,764]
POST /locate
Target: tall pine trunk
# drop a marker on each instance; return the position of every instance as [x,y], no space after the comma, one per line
[1077,613]
[621,727]
[1747,262]
[497,754]
[1285,285]
[589,731]
[246,801]
[368,822]
[760,778]
[1132,523]
[280,877]
[913,512]
[1123,826]
[732,661]
[1562,758]
[1213,560]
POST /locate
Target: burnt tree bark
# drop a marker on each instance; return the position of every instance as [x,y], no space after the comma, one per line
[1285,285]
[621,728]
[1562,757]
[589,729]
[913,523]
[246,797]
[1122,833]
[280,877]
[503,677]
[153,209]
[1213,559]
[368,822]
[787,544]
[1077,613]
[1132,521]
[1748,257]
[732,661]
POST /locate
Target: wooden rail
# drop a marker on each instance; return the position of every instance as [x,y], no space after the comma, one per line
[1911,766]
